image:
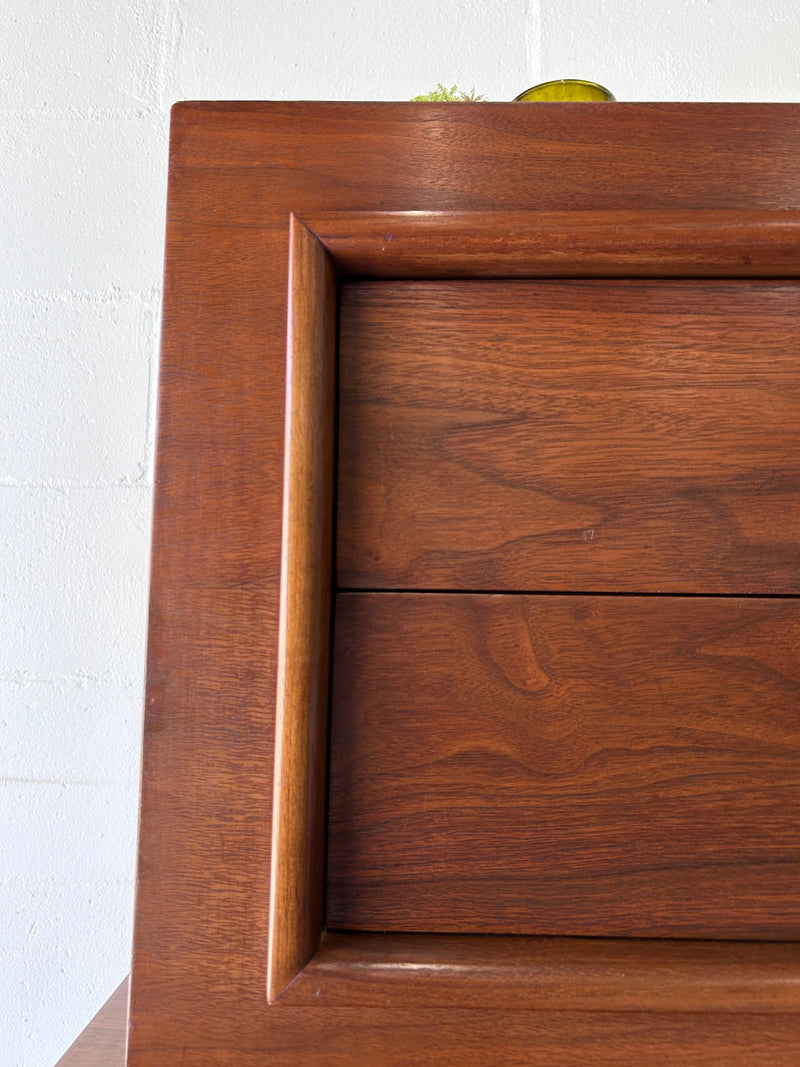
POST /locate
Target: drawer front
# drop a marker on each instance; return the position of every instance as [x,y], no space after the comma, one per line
[595,436]
[582,765]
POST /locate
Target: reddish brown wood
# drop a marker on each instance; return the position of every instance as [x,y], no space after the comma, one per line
[425,972]
[237,172]
[391,1035]
[102,1043]
[301,727]
[577,765]
[526,973]
[582,244]
[640,436]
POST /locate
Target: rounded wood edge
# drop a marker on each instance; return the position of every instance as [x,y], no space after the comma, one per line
[563,974]
[297,875]
[528,244]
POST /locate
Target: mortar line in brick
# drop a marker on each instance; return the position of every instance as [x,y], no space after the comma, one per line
[75,680]
[111,297]
[168,29]
[533,42]
[93,114]
[59,485]
[51,880]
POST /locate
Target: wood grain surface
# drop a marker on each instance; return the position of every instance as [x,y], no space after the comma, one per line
[237,173]
[746,982]
[640,436]
[565,765]
[583,244]
[392,1037]
[301,726]
[529,973]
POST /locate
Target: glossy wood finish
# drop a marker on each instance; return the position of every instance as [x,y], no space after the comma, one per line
[102,1043]
[237,173]
[301,727]
[639,436]
[391,1035]
[575,765]
[519,974]
[584,244]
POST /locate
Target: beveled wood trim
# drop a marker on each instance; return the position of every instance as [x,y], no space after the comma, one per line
[323,249]
[569,974]
[298,826]
[558,244]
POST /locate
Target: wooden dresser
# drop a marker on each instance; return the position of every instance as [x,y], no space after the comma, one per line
[473,709]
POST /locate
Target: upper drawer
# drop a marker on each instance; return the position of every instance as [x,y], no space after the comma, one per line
[597,436]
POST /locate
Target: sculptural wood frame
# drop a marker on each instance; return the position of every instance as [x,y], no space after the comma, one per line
[269,206]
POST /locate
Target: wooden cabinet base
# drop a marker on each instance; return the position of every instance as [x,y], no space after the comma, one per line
[102,1043]
[683,1036]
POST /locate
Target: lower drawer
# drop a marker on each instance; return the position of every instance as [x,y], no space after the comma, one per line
[565,764]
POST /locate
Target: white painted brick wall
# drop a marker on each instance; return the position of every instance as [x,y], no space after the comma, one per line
[85,89]
[735,50]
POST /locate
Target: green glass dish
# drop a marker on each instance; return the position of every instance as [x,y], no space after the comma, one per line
[566,89]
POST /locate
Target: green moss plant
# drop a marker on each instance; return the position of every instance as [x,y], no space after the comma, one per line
[441,94]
